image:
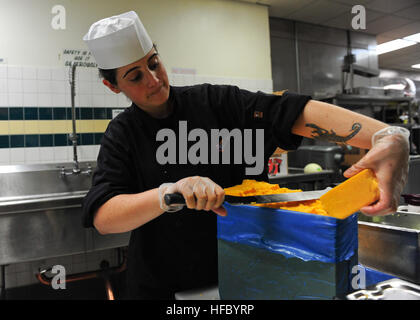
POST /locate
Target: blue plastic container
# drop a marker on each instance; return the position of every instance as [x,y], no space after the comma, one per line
[279,254]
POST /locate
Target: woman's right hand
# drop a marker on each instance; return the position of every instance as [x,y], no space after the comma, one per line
[200,193]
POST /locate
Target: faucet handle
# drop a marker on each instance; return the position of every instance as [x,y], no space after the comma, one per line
[88,170]
[62,171]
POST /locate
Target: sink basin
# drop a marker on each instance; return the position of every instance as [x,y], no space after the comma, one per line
[41,214]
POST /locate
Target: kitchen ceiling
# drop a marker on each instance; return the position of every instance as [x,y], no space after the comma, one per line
[386,19]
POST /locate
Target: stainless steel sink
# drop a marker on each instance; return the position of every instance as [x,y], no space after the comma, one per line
[41,214]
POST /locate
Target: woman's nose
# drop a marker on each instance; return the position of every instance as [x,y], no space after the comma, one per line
[152,79]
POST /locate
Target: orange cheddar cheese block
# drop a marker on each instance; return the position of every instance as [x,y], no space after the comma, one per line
[253,187]
[351,195]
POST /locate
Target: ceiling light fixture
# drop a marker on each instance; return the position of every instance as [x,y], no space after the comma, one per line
[414,37]
[416,66]
[393,45]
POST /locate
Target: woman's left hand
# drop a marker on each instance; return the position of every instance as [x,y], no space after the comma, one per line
[388,159]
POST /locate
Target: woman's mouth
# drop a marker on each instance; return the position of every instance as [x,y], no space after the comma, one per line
[156,91]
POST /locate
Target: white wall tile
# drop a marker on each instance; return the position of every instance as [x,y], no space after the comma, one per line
[14,72]
[58,86]
[58,100]
[68,100]
[30,99]
[177,80]
[87,153]
[252,85]
[96,150]
[84,87]
[44,100]
[97,88]
[3,72]
[4,156]
[29,73]
[46,154]
[15,86]
[32,155]
[67,87]
[111,101]
[3,86]
[94,74]
[60,74]
[15,99]
[98,100]
[171,79]
[189,79]
[29,86]
[60,153]
[85,100]
[83,74]
[107,91]
[43,73]
[123,101]
[269,84]
[17,155]
[4,100]
[235,82]
[44,86]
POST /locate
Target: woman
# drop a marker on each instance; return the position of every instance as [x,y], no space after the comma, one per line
[175,248]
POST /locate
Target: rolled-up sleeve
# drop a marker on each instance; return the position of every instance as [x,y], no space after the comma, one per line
[113,174]
[276,114]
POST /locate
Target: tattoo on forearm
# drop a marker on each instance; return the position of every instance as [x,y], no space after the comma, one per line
[330,136]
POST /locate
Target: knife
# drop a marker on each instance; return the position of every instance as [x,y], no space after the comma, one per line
[177,198]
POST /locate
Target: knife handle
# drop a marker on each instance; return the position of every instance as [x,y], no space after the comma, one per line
[174,198]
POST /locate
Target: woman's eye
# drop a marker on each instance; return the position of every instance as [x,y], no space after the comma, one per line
[136,78]
[154,66]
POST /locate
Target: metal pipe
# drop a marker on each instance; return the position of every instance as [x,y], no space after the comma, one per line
[73,136]
[103,272]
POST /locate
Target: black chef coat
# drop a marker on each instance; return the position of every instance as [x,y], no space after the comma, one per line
[178,251]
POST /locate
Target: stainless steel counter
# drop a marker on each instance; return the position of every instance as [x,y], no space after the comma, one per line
[391,244]
[41,216]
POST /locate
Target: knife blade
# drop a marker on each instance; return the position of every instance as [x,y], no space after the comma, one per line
[177,198]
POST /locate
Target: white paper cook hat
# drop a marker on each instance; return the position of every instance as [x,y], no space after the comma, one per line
[118,40]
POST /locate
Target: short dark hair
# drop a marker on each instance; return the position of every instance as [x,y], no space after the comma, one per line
[111,74]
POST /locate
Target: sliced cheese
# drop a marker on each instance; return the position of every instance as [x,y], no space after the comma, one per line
[351,195]
[252,188]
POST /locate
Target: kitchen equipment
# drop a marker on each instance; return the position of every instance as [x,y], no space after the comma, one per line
[412,186]
[41,214]
[369,91]
[328,157]
[394,289]
[413,203]
[177,198]
[391,244]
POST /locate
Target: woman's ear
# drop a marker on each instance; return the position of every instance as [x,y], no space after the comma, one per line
[111,86]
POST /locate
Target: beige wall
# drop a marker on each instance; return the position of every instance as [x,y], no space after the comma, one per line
[214,37]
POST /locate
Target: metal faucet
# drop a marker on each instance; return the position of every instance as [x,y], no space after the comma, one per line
[75,170]
[73,136]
